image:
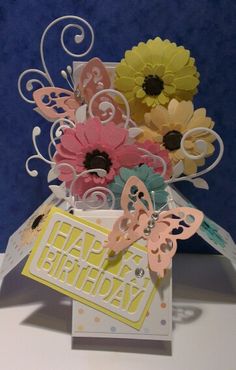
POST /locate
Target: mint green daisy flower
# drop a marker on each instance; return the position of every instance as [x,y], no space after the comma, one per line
[153,182]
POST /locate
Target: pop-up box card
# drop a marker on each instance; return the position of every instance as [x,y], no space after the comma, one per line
[122,134]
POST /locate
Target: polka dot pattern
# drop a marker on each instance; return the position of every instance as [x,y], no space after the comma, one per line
[92,321]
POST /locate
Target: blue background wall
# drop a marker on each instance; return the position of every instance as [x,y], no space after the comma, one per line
[205,27]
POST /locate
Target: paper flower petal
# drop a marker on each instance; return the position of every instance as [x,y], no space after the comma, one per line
[93,145]
[155,187]
[70,143]
[159,71]
[167,126]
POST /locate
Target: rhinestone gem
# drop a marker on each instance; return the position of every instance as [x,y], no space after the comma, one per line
[77,94]
[139,272]
[147,231]
[151,223]
[169,243]
[155,216]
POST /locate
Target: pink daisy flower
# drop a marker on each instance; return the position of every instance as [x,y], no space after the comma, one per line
[156,149]
[93,145]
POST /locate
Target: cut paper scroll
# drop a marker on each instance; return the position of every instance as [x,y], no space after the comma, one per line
[69,256]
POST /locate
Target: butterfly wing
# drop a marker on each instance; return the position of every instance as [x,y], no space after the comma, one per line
[56,103]
[93,78]
[137,206]
[178,223]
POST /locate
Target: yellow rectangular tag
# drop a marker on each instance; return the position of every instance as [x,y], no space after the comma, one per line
[69,256]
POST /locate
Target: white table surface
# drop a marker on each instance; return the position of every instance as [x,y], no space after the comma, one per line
[35,324]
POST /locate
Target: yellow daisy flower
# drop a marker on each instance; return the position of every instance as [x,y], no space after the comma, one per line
[35,224]
[153,73]
[168,125]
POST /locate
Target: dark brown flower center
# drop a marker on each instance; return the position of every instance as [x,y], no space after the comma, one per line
[172,140]
[36,221]
[97,159]
[152,85]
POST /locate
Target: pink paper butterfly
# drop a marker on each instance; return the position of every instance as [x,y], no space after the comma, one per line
[55,102]
[160,229]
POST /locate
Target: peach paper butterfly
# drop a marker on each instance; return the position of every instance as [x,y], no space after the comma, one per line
[55,102]
[160,229]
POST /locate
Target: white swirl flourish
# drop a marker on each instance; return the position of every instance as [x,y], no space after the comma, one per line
[109,107]
[94,198]
[98,198]
[36,132]
[29,85]
[52,145]
[78,39]
[55,136]
[75,199]
[63,123]
[202,146]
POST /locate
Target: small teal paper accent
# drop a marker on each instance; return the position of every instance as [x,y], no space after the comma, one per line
[212,232]
[153,182]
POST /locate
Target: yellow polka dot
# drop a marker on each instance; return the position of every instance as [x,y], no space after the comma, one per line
[97,319]
[98,221]
[81,328]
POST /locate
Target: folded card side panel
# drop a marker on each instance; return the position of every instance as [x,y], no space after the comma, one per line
[157,325]
[22,240]
[210,231]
